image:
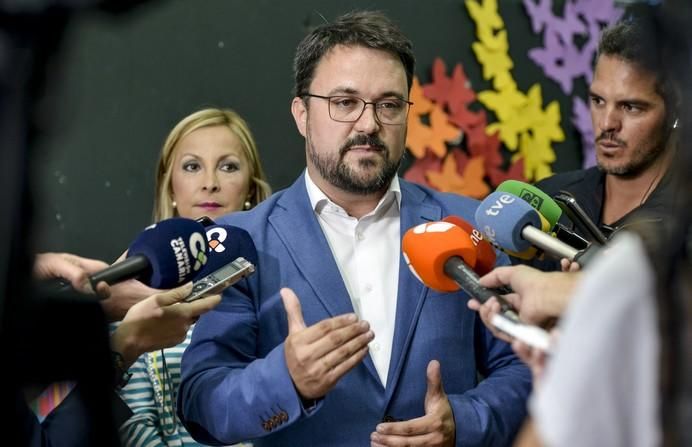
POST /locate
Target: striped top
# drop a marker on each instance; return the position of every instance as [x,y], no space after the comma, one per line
[152,400]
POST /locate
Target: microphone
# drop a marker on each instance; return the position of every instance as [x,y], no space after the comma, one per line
[576,213]
[538,200]
[485,253]
[225,244]
[164,255]
[549,208]
[531,252]
[513,224]
[441,255]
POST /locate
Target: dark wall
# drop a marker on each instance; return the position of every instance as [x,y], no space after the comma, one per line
[126,80]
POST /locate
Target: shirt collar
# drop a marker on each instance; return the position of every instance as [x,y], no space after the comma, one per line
[318,199]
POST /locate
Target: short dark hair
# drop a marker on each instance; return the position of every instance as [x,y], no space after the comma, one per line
[636,41]
[371,29]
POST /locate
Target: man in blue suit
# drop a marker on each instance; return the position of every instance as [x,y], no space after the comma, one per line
[333,341]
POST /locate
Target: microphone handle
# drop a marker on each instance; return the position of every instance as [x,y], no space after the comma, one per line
[588,254]
[130,267]
[548,244]
[467,279]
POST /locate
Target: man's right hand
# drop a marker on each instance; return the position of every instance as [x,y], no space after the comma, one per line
[319,355]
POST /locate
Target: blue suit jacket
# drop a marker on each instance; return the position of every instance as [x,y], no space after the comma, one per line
[235,383]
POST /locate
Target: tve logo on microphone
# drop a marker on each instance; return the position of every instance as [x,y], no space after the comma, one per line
[495,208]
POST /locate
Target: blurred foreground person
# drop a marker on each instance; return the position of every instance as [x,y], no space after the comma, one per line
[620,370]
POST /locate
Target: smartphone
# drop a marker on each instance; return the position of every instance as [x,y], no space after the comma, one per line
[533,336]
[217,281]
[577,215]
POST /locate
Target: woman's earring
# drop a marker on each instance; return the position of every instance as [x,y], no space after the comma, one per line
[675,124]
[247,205]
[174,203]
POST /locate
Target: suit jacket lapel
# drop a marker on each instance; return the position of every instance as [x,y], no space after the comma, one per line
[411,293]
[296,224]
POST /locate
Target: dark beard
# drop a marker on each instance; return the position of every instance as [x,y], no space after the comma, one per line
[636,166]
[340,175]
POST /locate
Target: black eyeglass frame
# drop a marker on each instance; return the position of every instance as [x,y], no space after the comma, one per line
[365,104]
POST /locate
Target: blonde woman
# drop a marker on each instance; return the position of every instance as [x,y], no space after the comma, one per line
[209,166]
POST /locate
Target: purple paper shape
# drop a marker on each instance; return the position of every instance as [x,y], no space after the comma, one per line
[603,11]
[540,13]
[581,118]
[561,63]
[542,16]
[560,57]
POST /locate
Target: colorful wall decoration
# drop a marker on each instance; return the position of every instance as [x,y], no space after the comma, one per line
[458,148]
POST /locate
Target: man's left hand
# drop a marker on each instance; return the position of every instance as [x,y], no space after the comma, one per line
[436,428]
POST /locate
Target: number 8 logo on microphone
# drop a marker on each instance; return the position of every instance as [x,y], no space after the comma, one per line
[197,246]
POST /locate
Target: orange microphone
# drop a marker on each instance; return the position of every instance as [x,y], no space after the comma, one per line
[427,248]
[485,254]
[442,256]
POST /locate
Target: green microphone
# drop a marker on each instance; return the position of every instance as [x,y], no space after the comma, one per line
[539,200]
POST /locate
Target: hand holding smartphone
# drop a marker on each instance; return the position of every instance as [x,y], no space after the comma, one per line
[220,279]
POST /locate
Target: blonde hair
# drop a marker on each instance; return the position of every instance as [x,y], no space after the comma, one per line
[259,188]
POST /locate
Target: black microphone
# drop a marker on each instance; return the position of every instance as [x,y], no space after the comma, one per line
[578,216]
[163,256]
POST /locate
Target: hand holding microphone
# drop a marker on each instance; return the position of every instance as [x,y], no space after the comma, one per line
[72,268]
[441,254]
[164,255]
[537,296]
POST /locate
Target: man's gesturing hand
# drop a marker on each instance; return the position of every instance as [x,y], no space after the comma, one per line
[436,428]
[319,355]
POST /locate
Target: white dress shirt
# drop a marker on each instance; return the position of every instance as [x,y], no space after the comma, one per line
[367,253]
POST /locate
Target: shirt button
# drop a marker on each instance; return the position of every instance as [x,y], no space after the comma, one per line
[367,288]
[375,347]
[359,235]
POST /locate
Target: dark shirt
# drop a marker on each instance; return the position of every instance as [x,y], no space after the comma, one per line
[588,188]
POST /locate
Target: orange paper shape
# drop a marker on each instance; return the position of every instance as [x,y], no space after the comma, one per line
[421,104]
[469,182]
[434,136]
[429,163]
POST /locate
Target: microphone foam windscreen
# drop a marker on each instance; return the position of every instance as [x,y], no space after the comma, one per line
[539,200]
[501,217]
[427,247]
[485,253]
[176,249]
[226,243]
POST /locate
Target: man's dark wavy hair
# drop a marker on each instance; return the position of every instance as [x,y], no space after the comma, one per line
[371,29]
[636,39]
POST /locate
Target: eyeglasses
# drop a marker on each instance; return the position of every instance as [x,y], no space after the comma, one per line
[349,109]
